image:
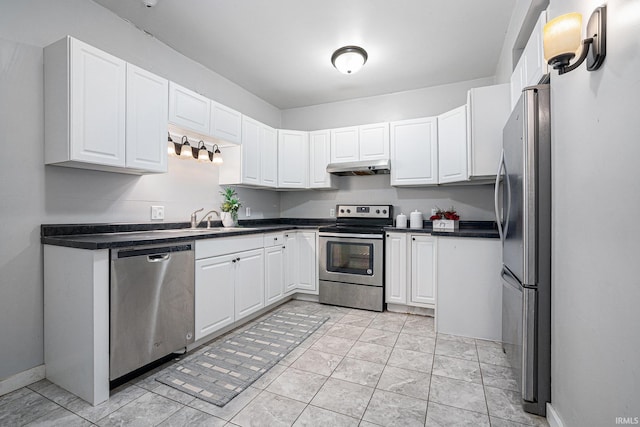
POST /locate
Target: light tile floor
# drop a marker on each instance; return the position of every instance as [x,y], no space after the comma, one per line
[360,368]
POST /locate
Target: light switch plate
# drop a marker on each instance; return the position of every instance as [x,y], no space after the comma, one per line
[157,212]
[247,211]
[332,212]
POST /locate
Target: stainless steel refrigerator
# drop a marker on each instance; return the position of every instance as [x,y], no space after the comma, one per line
[523,214]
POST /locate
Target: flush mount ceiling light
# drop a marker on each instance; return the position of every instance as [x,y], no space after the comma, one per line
[562,37]
[349,59]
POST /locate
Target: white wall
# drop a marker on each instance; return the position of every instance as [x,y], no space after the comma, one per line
[505,65]
[596,277]
[472,202]
[32,194]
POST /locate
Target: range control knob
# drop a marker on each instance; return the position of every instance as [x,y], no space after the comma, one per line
[377,211]
[348,210]
[384,211]
[341,210]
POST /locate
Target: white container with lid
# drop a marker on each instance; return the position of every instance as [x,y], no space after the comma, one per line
[416,219]
[401,221]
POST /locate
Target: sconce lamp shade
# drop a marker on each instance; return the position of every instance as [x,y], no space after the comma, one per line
[349,59]
[203,153]
[216,156]
[562,38]
[185,149]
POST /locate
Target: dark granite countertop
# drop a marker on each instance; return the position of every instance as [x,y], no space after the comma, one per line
[106,236]
[480,229]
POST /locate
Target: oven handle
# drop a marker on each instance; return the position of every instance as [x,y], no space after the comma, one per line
[349,235]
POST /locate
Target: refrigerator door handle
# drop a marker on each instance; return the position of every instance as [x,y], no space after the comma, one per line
[502,231]
[529,362]
[509,278]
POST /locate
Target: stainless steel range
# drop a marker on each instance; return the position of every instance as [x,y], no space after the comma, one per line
[352,257]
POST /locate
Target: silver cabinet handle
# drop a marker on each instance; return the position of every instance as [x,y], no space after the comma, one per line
[158,258]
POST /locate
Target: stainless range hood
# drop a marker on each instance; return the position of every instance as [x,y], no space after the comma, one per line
[365,167]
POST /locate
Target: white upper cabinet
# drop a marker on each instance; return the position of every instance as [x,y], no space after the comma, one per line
[251,134]
[487,112]
[293,159]
[344,144]
[268,156]
[374,141]
[146,120]
[319,158]
[354,143]
[414,152]
[85,104]
[189,110]
[226,123]
[531,66]
[100,116]
[452,146]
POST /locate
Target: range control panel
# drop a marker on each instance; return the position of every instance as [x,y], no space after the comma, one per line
[364,211]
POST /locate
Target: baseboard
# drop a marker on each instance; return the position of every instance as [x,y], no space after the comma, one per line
[22,379]
[401,308]
[552,417]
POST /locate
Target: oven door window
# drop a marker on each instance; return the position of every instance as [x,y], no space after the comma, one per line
[349,257]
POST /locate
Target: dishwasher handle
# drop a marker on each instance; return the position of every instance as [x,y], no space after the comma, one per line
[153,253]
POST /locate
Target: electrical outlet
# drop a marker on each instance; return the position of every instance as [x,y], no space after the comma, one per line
[332,212]
[247,211]
[157,212]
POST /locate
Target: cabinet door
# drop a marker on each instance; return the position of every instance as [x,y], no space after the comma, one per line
[487,112]
[189,110]
[344,144]
[374,142]
[534,64]
[452,146]
[423,270]
[268,156]
[319,158]
[98,106]
[225,123]
[414,152]
[249,284]
[396,268]
[293,159]
[251,130]
[307,261]
[147,106]
[291,265]
[517,82]
[273,273]
[214,294]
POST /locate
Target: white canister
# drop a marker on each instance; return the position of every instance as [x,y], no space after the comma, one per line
[401,221]
[416,219]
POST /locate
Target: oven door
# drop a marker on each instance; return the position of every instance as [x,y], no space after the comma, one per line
[352,258]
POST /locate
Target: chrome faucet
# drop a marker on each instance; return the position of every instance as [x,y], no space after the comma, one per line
[194,217]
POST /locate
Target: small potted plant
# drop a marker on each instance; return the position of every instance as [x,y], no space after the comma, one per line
[445,220]
[230,206]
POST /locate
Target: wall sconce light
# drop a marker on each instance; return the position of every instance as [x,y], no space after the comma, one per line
[349,59]
[173,148]
[562,37]
[185,149]
[203,153]
[215,155]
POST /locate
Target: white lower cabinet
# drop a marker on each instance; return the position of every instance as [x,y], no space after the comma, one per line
[423,270]
[273,274]
[300,262]
[249,282]
[410,263]
[214,290]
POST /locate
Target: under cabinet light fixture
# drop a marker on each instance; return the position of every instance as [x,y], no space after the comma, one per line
[185,149]
[562,40]
[203,153]
[349,59]
[215,155]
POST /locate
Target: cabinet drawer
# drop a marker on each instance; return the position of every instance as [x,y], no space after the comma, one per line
[273,239]
[228,245]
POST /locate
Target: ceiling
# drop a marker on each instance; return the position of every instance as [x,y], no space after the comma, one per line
[280,50]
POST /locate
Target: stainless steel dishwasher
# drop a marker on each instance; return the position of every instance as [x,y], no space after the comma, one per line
[151,304]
